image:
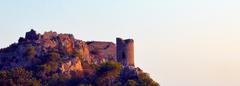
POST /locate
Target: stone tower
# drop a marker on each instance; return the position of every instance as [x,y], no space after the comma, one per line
[125,51]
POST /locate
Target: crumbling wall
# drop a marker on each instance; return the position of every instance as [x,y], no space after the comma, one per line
[125,51]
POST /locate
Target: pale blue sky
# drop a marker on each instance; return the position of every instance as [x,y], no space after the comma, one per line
[179,42]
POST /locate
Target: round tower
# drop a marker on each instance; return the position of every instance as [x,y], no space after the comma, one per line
[125,51]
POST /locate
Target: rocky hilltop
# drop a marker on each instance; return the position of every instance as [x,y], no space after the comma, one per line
[60,59]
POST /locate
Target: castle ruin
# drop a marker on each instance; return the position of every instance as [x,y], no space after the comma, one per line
[125,51]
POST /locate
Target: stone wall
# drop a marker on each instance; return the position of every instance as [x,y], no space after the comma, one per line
[125,51]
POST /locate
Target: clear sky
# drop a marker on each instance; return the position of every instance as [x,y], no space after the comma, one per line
[179,42]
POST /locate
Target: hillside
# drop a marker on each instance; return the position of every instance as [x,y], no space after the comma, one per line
[54,59]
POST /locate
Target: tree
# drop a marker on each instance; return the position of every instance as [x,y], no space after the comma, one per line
[145,80]
[51,64]
[31,52]
[18,76]
[107,71]
[54,56]
[131,83]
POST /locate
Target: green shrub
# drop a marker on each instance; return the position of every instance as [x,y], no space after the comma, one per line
[131,83]
[45,68]
[54,56]
[18,76]
[107,71]
[30,52]
[145,80]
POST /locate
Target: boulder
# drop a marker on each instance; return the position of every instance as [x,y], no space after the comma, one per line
[73,64]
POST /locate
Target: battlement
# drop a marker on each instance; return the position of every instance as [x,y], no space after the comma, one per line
[125,51]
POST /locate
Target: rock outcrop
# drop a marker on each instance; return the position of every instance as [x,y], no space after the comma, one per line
[72,65]
[71,51]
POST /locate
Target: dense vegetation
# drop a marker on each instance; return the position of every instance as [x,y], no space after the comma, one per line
[107,74]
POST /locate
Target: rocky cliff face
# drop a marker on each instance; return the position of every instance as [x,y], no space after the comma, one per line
[71,50]
[71,65]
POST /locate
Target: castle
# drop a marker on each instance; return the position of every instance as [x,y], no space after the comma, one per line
[51,54]
[125,51]
[122,53]
[72,51]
